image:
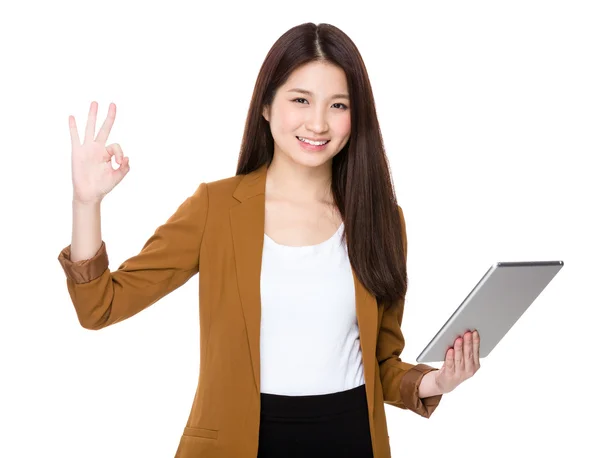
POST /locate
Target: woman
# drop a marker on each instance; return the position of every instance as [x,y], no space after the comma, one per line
[302,262]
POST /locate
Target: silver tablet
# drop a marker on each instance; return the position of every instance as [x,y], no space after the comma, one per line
[495,304]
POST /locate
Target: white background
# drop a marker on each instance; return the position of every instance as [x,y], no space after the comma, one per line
[490,115]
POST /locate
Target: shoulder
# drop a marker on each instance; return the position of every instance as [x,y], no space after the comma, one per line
[218,188]
[223,186]
[218,195]
[401,212]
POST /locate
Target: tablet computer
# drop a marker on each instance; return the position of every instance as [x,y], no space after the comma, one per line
[498,300]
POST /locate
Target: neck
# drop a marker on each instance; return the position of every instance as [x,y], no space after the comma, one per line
[292,181]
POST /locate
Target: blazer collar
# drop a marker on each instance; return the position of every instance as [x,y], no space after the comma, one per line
[248,226]
[252,184]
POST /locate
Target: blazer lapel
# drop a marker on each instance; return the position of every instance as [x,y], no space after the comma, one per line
[247,227]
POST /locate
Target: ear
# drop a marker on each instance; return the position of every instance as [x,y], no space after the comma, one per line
[265,113]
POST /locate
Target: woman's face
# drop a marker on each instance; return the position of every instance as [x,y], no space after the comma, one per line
[313,104]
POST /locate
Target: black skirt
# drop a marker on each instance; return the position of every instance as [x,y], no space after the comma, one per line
[326,425]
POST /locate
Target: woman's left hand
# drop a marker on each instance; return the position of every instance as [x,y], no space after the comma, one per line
[462,361]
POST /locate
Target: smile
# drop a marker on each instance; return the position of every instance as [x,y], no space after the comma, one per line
[310,142]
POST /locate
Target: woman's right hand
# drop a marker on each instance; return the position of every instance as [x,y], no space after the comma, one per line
[92,172]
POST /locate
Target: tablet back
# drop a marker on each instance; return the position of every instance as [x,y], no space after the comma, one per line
[495,304]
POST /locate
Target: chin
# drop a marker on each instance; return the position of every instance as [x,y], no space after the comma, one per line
[311,160]
[292,153]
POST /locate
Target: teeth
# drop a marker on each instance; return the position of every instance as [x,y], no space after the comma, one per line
[310,142]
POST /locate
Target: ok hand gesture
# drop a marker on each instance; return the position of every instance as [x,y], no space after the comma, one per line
[92,172]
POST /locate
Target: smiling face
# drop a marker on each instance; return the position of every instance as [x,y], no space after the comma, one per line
[313,104]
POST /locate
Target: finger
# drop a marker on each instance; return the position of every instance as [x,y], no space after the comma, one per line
[468,353]
[476,344]
[104,131]
[449,363]
[75,142]
[116,151]
[459,361]
[90,127]
[123,169]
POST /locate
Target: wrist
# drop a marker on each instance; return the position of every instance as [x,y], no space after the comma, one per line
[429,385]
[86,203]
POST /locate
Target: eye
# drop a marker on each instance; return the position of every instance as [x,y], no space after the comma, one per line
[344,107]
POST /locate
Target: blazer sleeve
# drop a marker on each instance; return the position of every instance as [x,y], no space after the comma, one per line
[400,380]
[168,259]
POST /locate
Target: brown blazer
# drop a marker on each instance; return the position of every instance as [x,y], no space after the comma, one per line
[218,232]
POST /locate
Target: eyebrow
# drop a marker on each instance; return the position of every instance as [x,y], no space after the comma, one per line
[335,96]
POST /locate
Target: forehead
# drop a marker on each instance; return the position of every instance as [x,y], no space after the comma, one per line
[319,78]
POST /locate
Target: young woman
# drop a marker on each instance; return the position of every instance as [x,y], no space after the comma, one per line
[302,268]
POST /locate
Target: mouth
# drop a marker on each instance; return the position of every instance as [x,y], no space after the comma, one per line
[310,147]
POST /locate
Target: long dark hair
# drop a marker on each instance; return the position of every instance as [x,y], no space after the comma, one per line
[361,182]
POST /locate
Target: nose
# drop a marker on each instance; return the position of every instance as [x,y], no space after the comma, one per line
[316,121]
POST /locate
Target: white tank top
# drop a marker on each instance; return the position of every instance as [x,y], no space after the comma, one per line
[309,339]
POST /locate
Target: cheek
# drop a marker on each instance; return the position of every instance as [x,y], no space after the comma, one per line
[285,120]
[342,125]
[290,120]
